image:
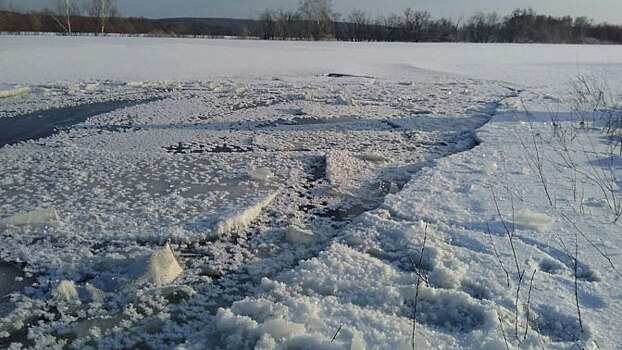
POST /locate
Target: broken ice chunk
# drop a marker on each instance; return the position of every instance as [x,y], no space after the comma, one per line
[35,217]
[375,157]
[490,168]
[14,92]
[297,235]
[281,329]
[66,291]
[238,219]
[95,293]
[158,269]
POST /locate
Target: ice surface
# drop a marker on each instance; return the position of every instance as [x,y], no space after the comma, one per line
[305,206]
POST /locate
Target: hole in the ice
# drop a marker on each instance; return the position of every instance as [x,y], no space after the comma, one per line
[317,169]
[307,208]
[335,120]
[345,75]
[12,278]
[420,112]
[344,213]
[18,337]
[194,148]
[293,111]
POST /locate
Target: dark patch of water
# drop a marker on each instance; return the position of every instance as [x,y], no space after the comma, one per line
[182,148]
[41,124]
[345,75]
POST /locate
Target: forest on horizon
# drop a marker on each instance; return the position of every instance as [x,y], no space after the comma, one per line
[316,20]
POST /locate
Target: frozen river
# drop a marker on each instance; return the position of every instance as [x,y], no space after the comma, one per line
[152,188]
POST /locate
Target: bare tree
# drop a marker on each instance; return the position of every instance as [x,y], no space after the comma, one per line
[483,27]
[63,13]
[103,10]
[320,14]
[287,21]
[358,26]
[414,24]
[267,25]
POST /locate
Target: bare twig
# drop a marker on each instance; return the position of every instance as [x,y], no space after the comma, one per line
[520,280]
[503,332]
[414,328]
[528,304]
[576,278]
[507,274]
[536,161]
[337,333]
[592,244]
[507,230]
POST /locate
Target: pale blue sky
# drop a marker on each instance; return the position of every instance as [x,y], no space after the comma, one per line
[600,10]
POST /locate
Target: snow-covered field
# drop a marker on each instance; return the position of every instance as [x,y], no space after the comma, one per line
[228,194]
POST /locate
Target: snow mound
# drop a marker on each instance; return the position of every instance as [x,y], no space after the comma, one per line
[159,269]
[35,217]
[14,92]
[533,220]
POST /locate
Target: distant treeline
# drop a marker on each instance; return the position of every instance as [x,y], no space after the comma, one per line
[315,20]
[43,22]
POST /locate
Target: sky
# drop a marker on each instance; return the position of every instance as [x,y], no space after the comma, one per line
[600,10]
